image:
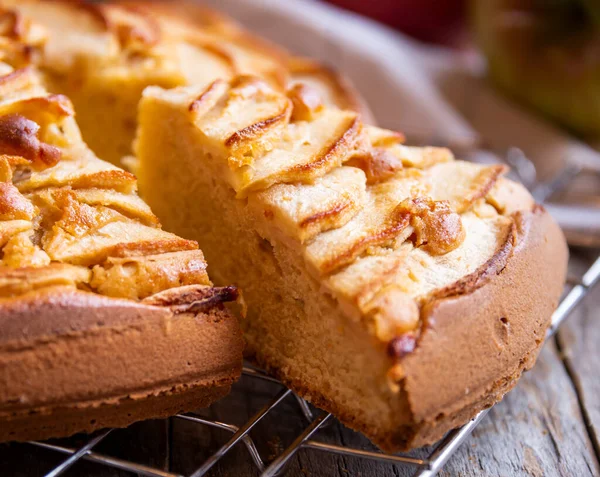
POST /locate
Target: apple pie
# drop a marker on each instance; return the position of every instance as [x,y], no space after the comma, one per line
[394,286]
[105,318]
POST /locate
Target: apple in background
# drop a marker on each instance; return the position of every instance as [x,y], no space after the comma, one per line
[437,21]
[546,55]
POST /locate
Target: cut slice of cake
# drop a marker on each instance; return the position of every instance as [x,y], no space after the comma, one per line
[395,286]
[102,55]
[105,318]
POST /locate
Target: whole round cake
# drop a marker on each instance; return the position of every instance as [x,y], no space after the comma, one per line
[394,286]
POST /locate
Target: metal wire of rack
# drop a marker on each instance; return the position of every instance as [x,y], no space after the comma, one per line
[424,467]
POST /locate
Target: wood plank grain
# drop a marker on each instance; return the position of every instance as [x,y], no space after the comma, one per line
[143,443]
[578,343]
[537,430]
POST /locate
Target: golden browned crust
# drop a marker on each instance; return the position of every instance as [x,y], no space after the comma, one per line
[46,423]
[74,361]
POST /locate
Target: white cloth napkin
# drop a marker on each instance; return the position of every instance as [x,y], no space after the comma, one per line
[426,92]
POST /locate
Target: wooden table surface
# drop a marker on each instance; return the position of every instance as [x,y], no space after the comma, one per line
[549,425]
